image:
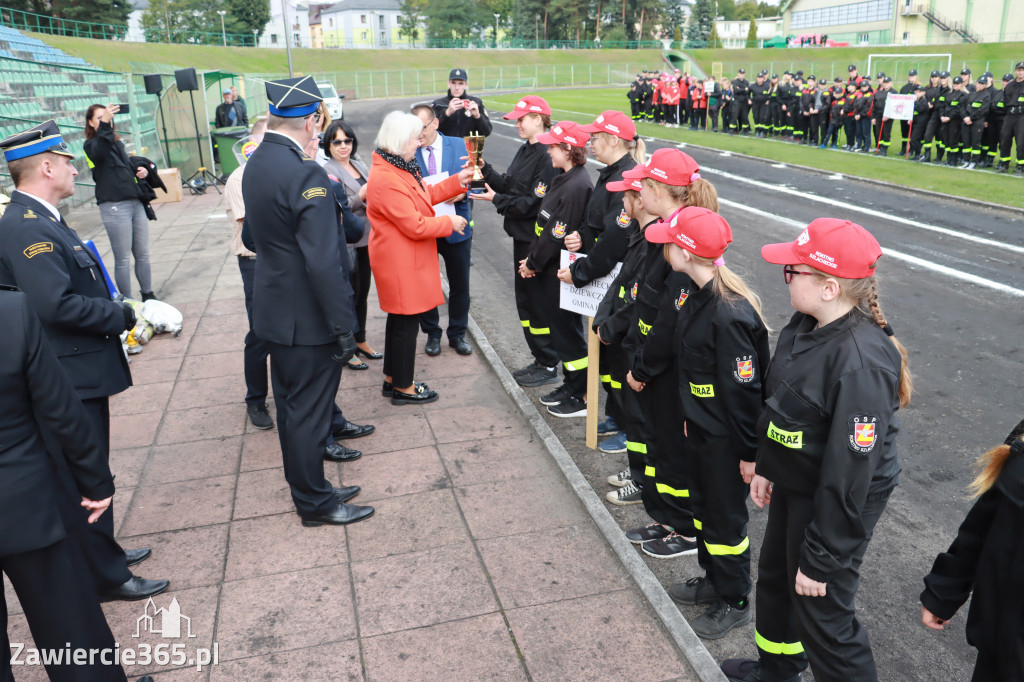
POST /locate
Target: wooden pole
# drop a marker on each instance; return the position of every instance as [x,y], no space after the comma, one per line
[593,382]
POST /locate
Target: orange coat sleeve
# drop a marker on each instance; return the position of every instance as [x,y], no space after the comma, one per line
[396,201]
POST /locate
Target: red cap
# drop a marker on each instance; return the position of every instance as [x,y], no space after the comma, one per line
[624,184]
[696,229]
[531,104]
[565,131]
[836,247]
[667,165]
[614,123]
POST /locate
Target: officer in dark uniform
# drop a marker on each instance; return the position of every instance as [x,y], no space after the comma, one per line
[953,113]
[909,88]
[634,98]
[932,93]
[979,103]
[1013,124]
[458,113]
[302,302]
[788,99]
[46,569]
[741,103]
[44,258]
[882,126]
[774,108]
[760,93]
[990,138]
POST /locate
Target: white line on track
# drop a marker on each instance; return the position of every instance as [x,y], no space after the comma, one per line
[891,253]
[868,211]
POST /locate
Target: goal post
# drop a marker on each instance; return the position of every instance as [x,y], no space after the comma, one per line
[897,64]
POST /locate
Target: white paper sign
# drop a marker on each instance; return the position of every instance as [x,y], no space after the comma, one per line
[899,107]
[586,300]
[442,208]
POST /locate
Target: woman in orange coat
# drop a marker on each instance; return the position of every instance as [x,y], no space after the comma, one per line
[403,247]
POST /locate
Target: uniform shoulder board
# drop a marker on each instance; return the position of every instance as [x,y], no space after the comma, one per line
[29,213]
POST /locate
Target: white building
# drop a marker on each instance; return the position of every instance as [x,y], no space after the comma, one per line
[298,25]
[733,33]
[365,24]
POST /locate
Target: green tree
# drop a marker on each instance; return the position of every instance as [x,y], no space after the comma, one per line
[727,9]
[752,34]
[452,19]
[245,16]
[411,19]
[184,21]
[714,41]
[675,18]
[701,24]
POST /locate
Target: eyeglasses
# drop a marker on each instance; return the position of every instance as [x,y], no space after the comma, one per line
[789,271]
[345,140]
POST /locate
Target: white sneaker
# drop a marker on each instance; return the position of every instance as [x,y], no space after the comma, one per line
[620,479]
[626,495]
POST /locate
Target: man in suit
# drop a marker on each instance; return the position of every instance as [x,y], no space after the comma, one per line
[44,566]
[302,303]
[441,154]
[44,258]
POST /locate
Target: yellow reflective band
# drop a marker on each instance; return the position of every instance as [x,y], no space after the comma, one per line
[622,292]
[540,331]
[766,646]
[698,524]
[666,490]
[644,327]
[637,447]
[537,229]
[702,390]
[721,550]
[791,439]
[525,323]
[616,384]
[577,365]
[606,378]
[648,470]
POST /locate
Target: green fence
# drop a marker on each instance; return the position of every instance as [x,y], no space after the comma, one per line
[893,65]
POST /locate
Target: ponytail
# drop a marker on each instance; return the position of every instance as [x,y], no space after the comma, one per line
[637,150]
[990,465]
[865,293]
[731,287]
[698,193]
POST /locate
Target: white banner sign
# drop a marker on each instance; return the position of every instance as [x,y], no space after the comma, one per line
[899,107]
[586,300]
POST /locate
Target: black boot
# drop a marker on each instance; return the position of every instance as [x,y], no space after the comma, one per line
[148,296]
[1003,167]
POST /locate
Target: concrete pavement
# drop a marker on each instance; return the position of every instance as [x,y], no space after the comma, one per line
[480,563]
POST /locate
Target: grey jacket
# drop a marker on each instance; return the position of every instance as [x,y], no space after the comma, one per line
[352,192]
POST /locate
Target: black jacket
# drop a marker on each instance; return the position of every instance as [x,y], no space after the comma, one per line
[605,232]
[954,105]
[978,105]
[740,89]
[64,285]
[721,352]
[561,212]
[35,395]
[222,119]
[1013,98]
[458,124]
[988,558]
[829,428]
[878,107]
[112,170]
[300,296]
[760,93]
[521,189]
[613,314]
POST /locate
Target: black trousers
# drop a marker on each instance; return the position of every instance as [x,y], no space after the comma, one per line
[917,134]
[791,629]
[400,333]
[885,135]
[814,131]
[850,130]
[535,328]
[567,334]
[719,501]
[832,134]
[305,381]
[699,119]
[254,357]
[971,139]
[864,132]
[667,489]
[931,134]
[62,610]
[360,279]
[953,142]
[742,115]
[905,136]
[634,109]
[456,265]
[762,119]
[799,125]
[713,118]
[1013,129]
[613,378]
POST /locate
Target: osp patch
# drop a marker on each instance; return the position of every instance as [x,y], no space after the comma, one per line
[623,219]
[863,433]
[636,287]
[558,231]
[681,300]
[744,373]
[541,189]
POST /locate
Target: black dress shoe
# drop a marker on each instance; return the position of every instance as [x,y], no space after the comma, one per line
[145,678]
[386,389]
[433,346]
[460,345]
[353,431]
[343,514]
[421,396]
[134,557]
[339,453]
[370,356]
[356,364]
[135,589]
[347,493]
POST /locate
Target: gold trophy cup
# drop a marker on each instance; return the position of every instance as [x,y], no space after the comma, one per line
[475,148]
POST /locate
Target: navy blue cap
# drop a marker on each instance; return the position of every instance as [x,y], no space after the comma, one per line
[1007,77]
[887,79]
[912,72]
[881,74]
[1020,65]
[852,67]
[958,80]
[965,72]
[45,137]
[935,74]
[944,74]
[293,97]
[458,75]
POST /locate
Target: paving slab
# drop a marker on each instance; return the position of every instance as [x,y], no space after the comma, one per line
[481,563]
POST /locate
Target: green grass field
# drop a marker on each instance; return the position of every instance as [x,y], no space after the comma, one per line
[584,105]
